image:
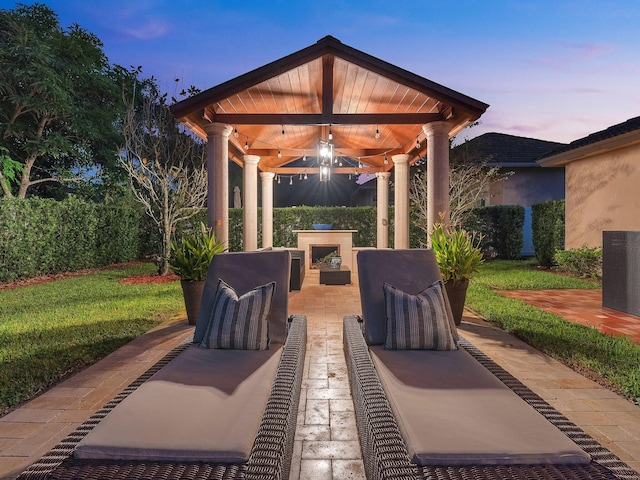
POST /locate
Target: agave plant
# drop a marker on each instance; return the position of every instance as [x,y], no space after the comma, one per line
[457,252]
[190,258]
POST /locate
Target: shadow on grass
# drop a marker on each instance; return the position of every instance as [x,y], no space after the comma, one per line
[43,358]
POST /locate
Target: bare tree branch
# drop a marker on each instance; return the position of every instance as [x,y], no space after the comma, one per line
[166,166]
[469,182]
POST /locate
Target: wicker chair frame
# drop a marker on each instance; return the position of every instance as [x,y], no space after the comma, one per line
[270,457]
[385,453]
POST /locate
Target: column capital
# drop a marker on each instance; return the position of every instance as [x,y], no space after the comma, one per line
[383,174]
[267,175]
[441,127]
[251,159]
[218,128]
[401,158]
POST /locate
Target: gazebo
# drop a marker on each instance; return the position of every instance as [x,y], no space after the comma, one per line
[345,111]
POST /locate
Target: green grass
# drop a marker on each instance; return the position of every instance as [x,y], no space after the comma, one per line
[521,275]
[50,330]
[613,358]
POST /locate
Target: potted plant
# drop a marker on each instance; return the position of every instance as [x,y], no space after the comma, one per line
[459,256]
[190,259]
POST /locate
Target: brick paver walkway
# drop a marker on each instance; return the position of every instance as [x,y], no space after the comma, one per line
[583,307]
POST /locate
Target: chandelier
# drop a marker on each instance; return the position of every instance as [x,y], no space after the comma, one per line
[325,160]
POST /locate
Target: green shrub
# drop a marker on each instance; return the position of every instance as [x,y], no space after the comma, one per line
[547,223]
[457,252]
[501,230]
[190,258]
[584,262]
[44,236]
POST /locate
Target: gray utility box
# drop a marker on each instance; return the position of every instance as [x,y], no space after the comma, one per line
[621,271]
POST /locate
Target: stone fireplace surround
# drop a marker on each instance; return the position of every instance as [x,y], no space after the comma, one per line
[343,239]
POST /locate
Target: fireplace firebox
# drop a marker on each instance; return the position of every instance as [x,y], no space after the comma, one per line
[318,252]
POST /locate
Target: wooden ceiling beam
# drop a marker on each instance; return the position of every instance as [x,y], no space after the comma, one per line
[311,152]
[335,119]
[327,88]
[315,170]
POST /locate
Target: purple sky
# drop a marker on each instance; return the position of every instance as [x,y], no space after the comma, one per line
[550,69]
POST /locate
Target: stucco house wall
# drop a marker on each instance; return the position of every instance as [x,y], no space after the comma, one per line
[528,186]
[602,184]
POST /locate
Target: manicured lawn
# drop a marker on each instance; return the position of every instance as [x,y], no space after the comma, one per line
[616,359]
[50,330]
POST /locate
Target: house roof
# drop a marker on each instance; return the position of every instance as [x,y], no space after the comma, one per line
[616,136]
[326,88]
[508,150]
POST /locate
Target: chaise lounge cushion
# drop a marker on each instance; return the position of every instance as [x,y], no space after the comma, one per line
[418,322]
[453,411]
[398,268]
[243,271]
[239,322]
[205,405]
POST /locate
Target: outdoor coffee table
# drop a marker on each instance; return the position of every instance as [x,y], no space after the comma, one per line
[335,276]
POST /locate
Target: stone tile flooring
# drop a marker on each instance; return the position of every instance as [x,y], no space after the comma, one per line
[326,444]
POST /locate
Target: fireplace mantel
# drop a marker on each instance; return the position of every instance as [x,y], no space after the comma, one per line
[342,238]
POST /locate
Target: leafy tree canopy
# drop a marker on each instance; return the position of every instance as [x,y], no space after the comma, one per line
[60,102]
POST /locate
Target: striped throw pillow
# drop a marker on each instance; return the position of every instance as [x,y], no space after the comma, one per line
[418,322]
[239,323]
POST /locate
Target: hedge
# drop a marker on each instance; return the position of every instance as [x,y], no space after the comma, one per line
[547,223]
[501,227]
[43,236]
[286,220]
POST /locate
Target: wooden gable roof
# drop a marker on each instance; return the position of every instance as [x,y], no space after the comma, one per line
[371,108]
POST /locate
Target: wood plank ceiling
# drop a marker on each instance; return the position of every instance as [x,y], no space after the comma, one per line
[371,109]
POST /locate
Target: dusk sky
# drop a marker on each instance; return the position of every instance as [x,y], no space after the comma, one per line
[549,69]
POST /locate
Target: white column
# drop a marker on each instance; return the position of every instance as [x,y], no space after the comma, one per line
[382,207]
[250,203]
[267,208]
[401,185]
[437,172]
[218,179]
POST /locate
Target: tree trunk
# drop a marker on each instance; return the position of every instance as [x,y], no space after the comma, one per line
[163,266]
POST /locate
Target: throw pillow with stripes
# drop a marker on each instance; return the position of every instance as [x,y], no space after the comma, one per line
[418,322]
[239,323]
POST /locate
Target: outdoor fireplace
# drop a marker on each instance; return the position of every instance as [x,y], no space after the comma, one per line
[319,243]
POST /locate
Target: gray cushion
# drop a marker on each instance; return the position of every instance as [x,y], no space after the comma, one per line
[418,322]
[243,271]
[408,270]
[205,405]
[453,411]
[239,322]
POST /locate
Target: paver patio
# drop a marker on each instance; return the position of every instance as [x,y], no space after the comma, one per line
[326,444]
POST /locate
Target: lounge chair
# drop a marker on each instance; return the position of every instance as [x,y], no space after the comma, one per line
[449,414]
[205,412]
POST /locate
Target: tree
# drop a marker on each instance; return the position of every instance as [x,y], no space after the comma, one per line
[165,163]
[59,101]
[469,182]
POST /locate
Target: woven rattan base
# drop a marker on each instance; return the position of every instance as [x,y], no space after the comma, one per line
[270,456]
[385,453]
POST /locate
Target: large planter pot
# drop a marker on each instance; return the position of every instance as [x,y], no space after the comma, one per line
[192,293]
[457,294]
